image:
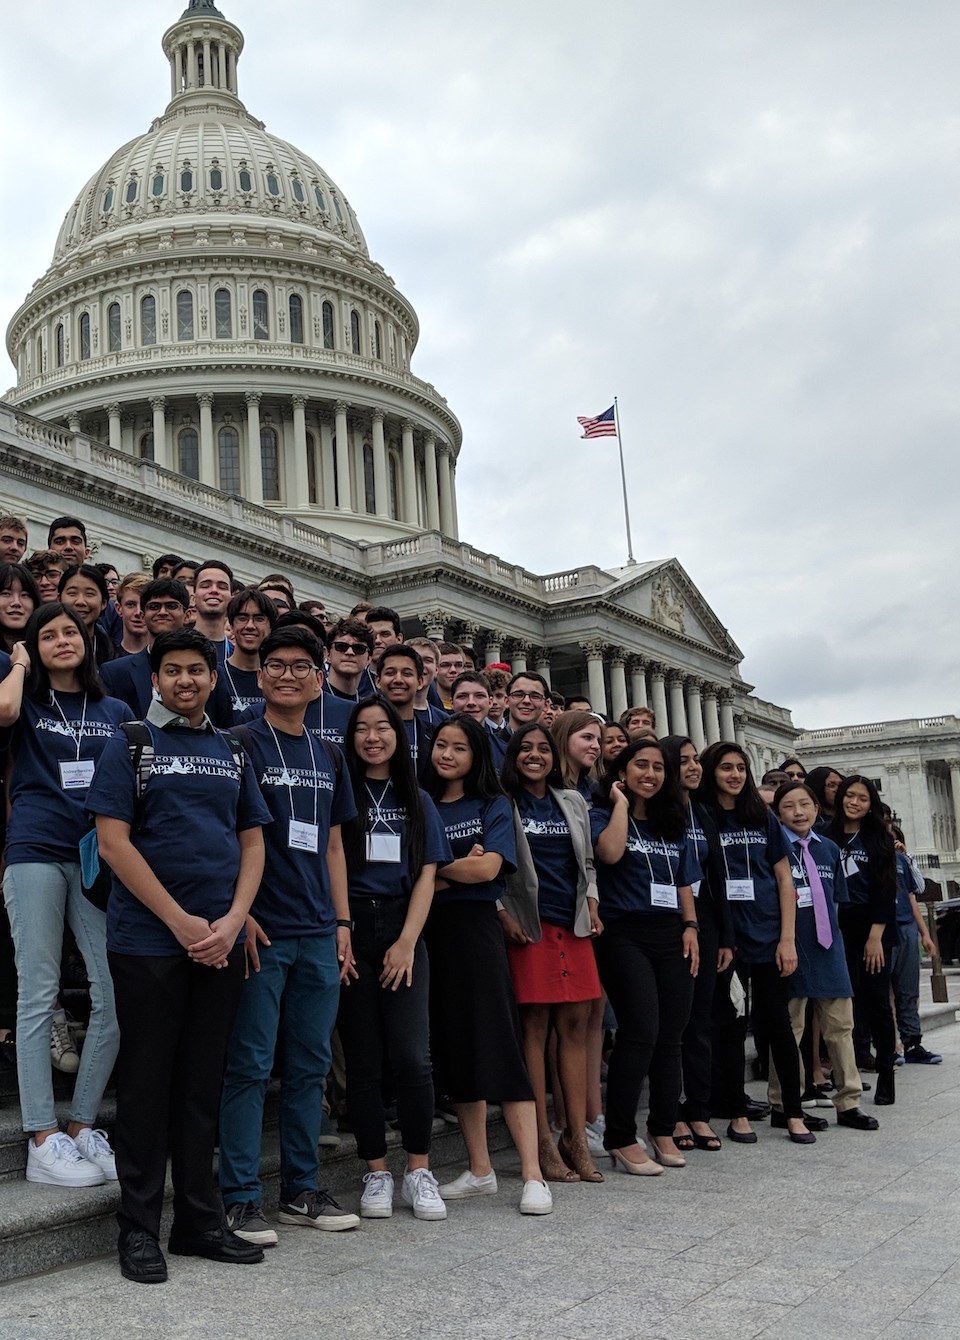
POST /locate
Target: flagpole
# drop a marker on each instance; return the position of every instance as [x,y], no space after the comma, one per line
[623,479]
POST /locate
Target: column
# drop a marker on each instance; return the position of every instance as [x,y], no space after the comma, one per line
[207,79]
[954,765]
[638,683]
[678,708]
[454,521]
[740,730]
[595,685]
[409,472]
[435,623]
[695,715]
[222,64]
[380,492]
[174,70]
[711,720]
[191,65]
[618,685]
[328,493]
[254,470]
[658,698]
[73,423]
[301,486]
[116,432]
[920,830]
[344,483]
[541,662]
[491,647]
[446,496]
[727,725]
[430,476]
[518,657]
[161,454]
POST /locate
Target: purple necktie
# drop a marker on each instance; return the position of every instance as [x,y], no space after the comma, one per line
[820,914]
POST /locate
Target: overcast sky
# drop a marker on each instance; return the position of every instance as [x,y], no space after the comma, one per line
[740,218]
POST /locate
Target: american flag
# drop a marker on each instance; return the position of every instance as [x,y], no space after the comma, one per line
[604,425]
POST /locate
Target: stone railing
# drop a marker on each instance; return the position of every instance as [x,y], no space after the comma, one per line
[879,730]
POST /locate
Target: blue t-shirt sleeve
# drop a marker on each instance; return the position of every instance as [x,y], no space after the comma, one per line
[344,807]
[599,818]
[498,831]
[113,791]
[252,809]
[840,892]
[436,846]
[688,869]
[778,844]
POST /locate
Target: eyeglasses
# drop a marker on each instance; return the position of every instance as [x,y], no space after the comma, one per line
[518,697]
[168,606]
[349,648]
[251,618]
[299,669]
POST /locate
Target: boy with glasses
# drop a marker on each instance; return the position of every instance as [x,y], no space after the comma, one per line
[349,648]
[164,606]
[526,693]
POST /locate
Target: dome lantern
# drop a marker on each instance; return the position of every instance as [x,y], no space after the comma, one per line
[203,48]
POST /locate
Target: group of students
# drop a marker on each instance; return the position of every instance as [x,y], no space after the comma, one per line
[304,824]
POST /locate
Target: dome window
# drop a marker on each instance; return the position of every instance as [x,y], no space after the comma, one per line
[297,188]
[188,453]
[85,335]
[269,465]
[132,189]
[339,211]
[328,342]
[108,200]
[394,484]
[355,331]
[296,319]
[261,316]
[148,320]
[246,182]
[113,327]
[273,184]
[158,184]
[184,315]
[223,315]
[147,452]
[321,199]
[186,181]
[228,447]
[312,496]
[369,485]
[378,339]
[216,179]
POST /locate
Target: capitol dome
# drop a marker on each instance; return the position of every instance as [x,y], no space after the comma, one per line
[212,307]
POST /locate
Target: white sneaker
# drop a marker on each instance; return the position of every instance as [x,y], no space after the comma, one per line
[377,1199]
[95,1148]
[595,1142]
[536,1199]
[58,1162]
[63,1054]
[466,1185]
[421,1193]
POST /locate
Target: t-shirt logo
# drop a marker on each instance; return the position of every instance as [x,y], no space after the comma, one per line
[545,827]
[195,766]
[301,777]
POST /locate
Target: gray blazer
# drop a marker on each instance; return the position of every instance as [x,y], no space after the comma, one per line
[521,897]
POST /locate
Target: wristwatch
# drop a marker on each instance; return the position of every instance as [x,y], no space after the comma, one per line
[346,925]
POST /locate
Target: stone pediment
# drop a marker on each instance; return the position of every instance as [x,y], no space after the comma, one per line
[662,592]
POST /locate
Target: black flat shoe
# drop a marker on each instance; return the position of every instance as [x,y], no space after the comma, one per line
[217,1244]
[886,1092]
[857,1120]
[741,1137]
[756,1111]
[709,1142]
[803,1137]
[778,1122]
[141,1259]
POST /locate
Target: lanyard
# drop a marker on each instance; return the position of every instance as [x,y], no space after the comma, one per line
[666,855]
[378,806]
[313,760]
[693,831]
[69,725]
[746,848]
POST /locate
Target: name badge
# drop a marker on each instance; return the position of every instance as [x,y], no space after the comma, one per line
[804,895]
[696,887]
[384,847]
[663,895]
[850,866]
[78,775]
[740,891]
[302,836]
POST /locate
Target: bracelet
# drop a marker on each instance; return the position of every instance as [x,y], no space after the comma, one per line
[345,925]
[690,925]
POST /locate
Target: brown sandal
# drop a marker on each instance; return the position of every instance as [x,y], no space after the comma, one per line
[552,1165]
[576,1152]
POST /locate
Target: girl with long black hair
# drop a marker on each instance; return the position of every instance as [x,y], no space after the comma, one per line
[393,849]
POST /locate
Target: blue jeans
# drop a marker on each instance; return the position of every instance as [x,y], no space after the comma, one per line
[302,976]
[905,980]
[40,898]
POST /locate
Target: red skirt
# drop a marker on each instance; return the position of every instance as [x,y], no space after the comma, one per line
[559,968]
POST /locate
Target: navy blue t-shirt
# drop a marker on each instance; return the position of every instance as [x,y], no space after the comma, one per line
[821,973]
[554,859]
[391,879]
[47,817]
[195,802]
[242,688]
[907,882]
[627,886]
[751,854]
[326,717]
[489,823]
[298,780]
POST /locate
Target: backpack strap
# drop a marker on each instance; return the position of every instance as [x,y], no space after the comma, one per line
[236,749]
[335,756]
[140,743]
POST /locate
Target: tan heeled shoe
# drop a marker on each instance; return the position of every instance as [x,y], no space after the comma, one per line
[576,1154]
[667,1160]
[552,1165]
[645,1169]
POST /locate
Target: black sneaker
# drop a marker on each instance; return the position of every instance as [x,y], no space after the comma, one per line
[246,1220]
[317,1209]
[918,1055]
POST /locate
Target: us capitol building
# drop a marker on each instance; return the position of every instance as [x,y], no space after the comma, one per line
[214,365]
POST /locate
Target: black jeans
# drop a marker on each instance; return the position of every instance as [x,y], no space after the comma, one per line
[697,1049]
[379,1026]
[770,1003]
[648,980]
[175,1021]
[871,990]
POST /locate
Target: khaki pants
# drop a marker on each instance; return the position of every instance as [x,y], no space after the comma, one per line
[836,1028]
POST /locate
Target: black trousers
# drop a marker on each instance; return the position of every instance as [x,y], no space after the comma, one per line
[697,1048]
[871,990]
[643,971]
[770,1002]
[175,1019]
[728,1039]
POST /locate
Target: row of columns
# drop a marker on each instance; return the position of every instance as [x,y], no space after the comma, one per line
[438,510]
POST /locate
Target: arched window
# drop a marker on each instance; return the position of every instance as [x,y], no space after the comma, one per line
[321,201]
[146,447]
[188,453]
[378,339]
[223,316]
[108,200]
[369,492]
[85,335]
[297,188]
[132,187]
[148,320]
[270,465]
[393,475]
[39,368]
[157,185]
[113,327]
[246,181]
[184,315]
[328,325]
[355,331]
[186,181]
[59,343]
[296,319]
[312,494]
[273,184]
[228,445]
[261,316]
[336,205]
[216,179]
